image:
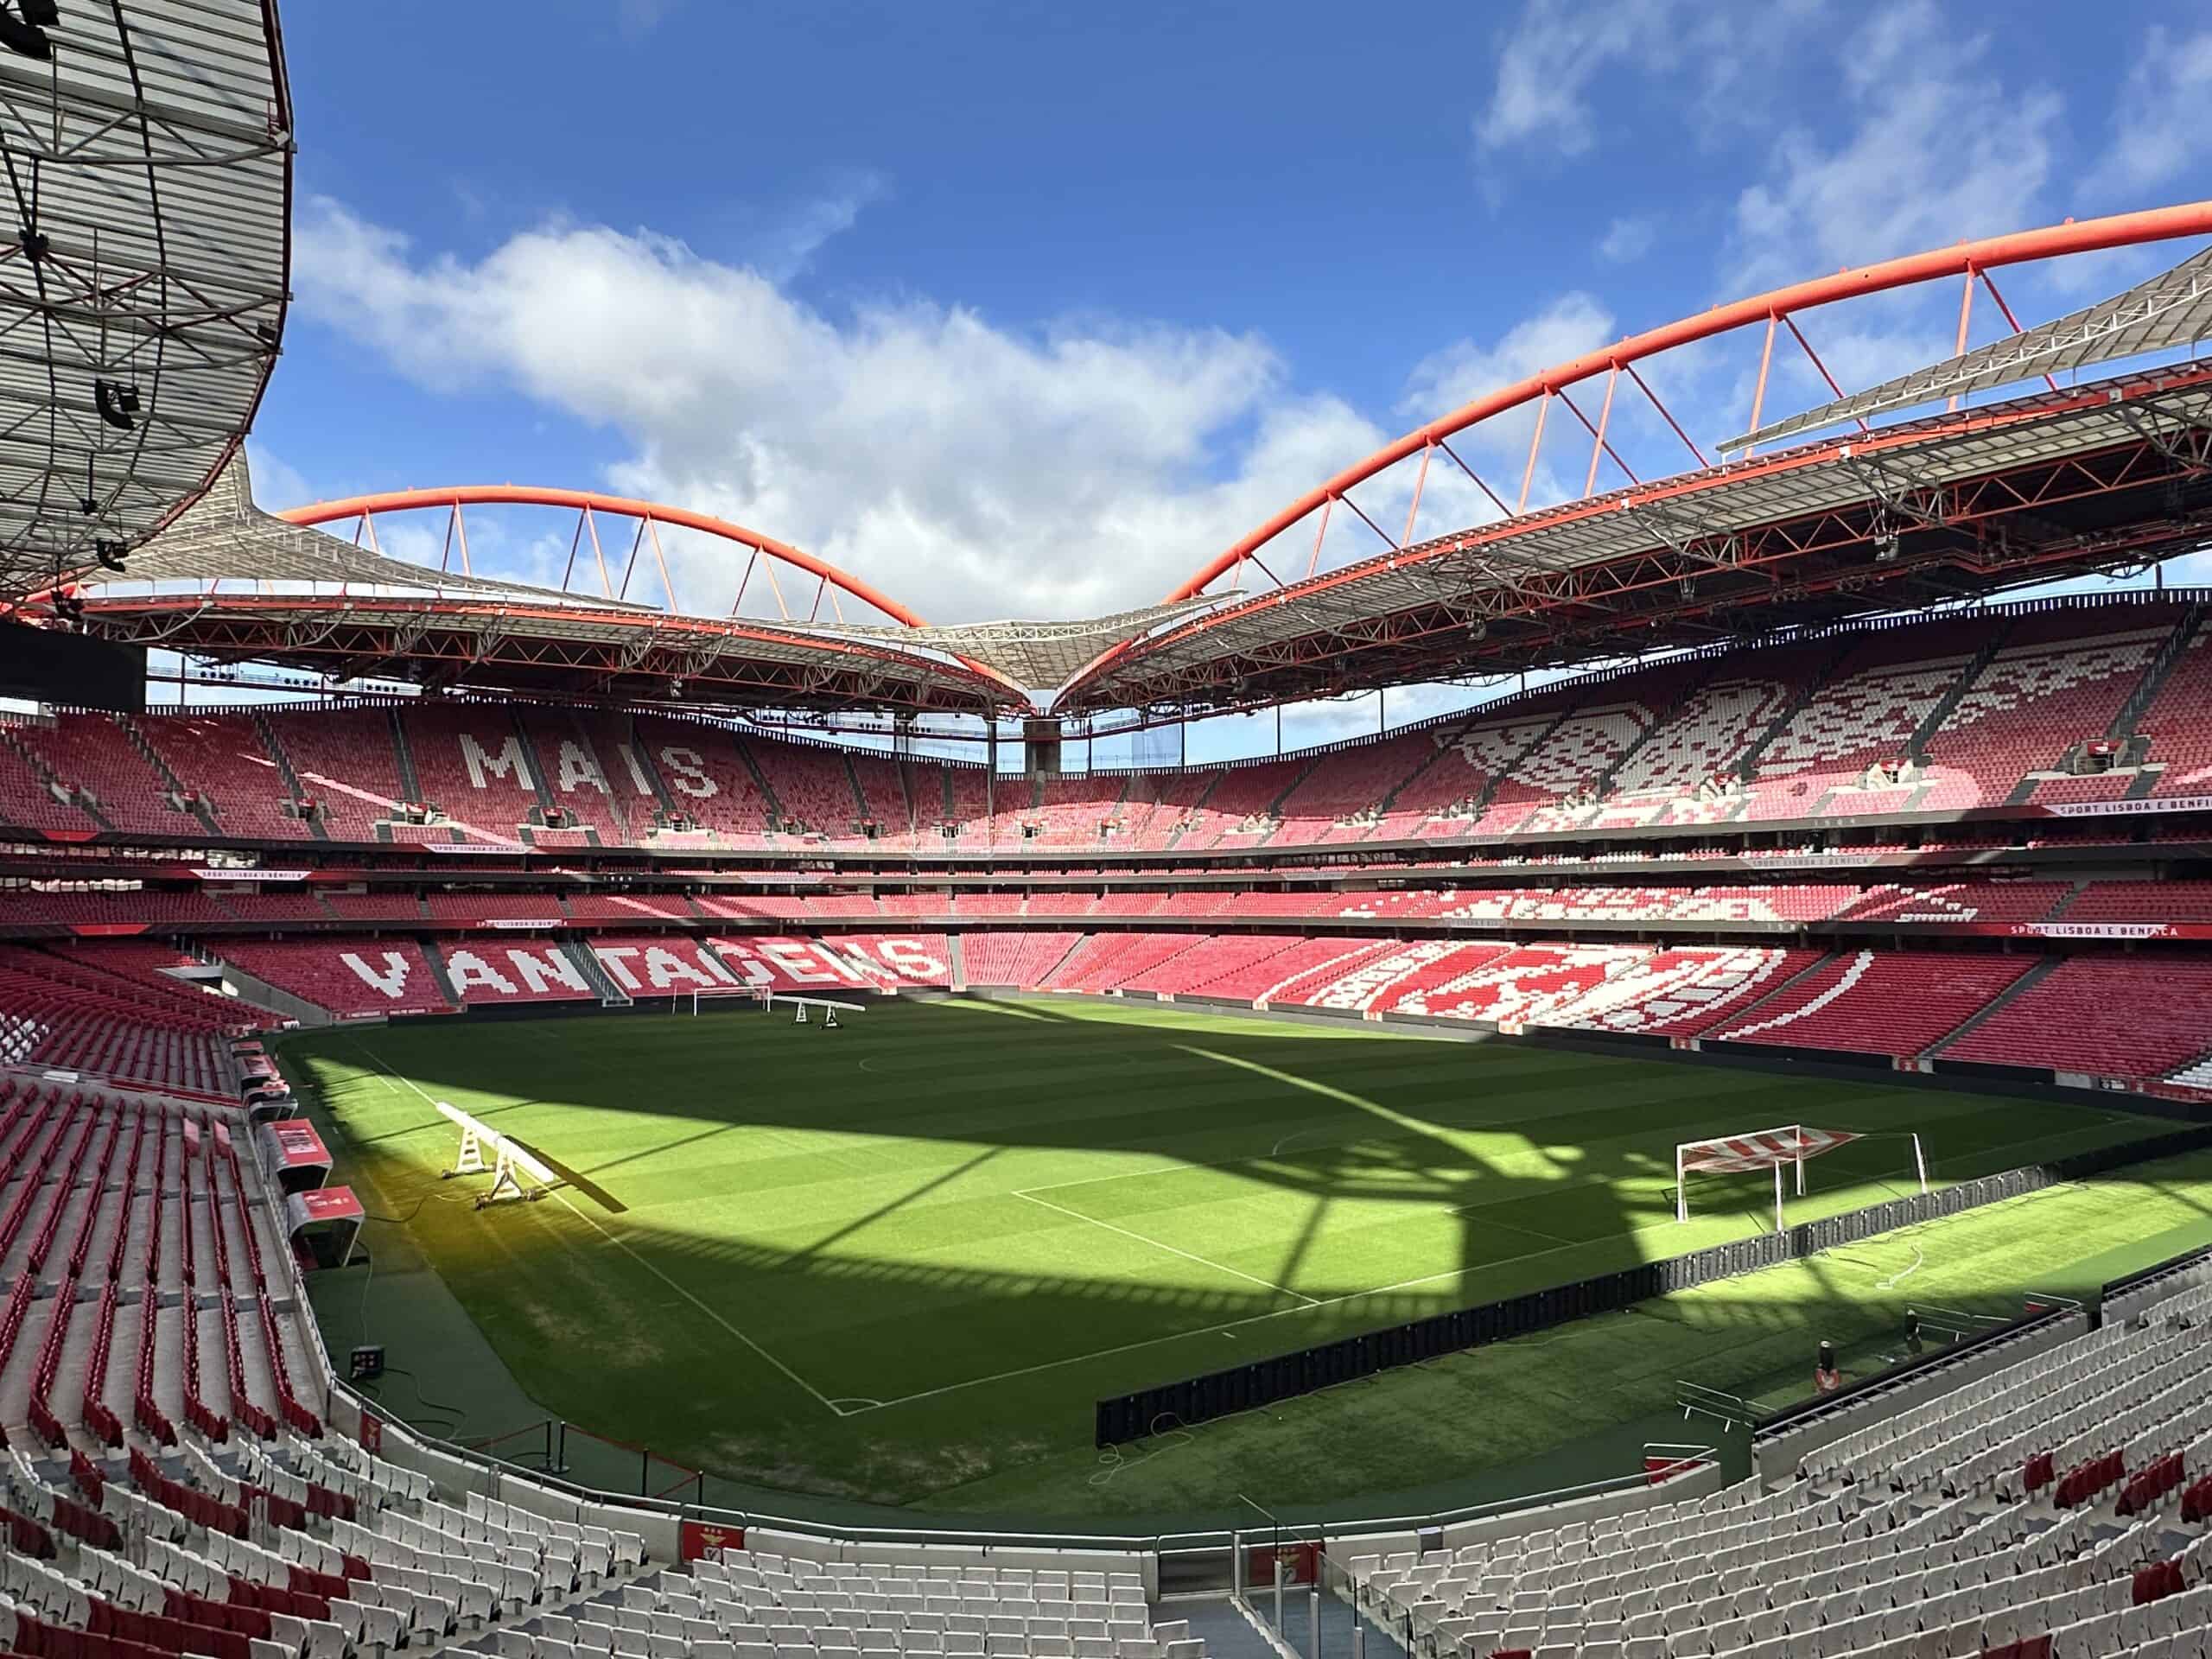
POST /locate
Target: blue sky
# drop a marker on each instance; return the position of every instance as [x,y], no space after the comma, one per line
[1018,309]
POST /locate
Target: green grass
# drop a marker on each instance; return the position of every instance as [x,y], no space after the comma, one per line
[899,1263]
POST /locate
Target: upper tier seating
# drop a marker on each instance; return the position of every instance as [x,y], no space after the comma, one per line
[345,760]
[815,790]
[1838,726]
[223,758]
[95,755]
[1073,811]
[2049,689]
[2181,736]
[883,789]
[1470,760]
[593,772]
[1862,717]
[1341,799]
[706,777]
[472,765]
[28,800]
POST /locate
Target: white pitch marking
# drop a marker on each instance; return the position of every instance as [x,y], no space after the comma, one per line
[623,1245]
[1236,1273]
[1226,1329]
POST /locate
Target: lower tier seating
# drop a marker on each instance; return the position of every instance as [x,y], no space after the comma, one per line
[1880,1003]
[2132,1017]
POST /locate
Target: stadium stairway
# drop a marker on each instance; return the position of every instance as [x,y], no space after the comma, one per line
[534,758]
[2160,669]
[439,974]
[275,748]
[1229,1634]
[152,757]
[410,780]
[610,994]
[1915,746]
[641,752]
[2041,971]
[1747,764]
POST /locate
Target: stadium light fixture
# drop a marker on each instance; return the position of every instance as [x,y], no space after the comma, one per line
[26,34]
[117,403]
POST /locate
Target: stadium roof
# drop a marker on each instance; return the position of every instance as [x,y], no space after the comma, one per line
[2173,308]
[1959,503]
[230,582]
[147,247]
[1942,509]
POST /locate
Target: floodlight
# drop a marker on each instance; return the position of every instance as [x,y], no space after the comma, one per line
[118,402]
[26,35]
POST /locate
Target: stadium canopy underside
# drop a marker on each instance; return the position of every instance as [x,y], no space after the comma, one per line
[2096,478]
[1953,500]
[143,272]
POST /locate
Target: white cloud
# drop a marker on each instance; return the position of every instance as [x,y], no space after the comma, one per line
[636,17]
[969,469]
[787,247]
[1938,146]
[1544,72]
[1716,74]
[1627,239]
[2158,131]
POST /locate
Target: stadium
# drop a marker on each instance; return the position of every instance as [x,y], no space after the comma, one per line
[598,1115]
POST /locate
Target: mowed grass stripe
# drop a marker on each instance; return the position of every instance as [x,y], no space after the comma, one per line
[865,1227]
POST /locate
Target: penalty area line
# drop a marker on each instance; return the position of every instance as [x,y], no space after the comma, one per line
[1201,1331]
[623,1245]
[1235,1273]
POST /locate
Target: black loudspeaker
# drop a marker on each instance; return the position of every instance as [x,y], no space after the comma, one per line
[366,1364]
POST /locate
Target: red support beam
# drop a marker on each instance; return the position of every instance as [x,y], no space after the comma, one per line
[2080,235]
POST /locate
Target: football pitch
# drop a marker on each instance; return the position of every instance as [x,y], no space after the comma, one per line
[899,1261]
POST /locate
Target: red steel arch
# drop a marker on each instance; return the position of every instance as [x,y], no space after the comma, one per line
[590,501]
[1967,260]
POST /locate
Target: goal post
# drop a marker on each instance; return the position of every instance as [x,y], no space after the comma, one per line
[804,1009]
[707,996]
[1788,1148]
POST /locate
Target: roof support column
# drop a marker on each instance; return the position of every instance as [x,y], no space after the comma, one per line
[1758,391]
[1420,479]
[1313,563]
[1965,311]
[1597,437]
[2010,318]
[1536,441]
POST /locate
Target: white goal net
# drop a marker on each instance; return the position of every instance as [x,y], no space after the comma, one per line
[1788,1147]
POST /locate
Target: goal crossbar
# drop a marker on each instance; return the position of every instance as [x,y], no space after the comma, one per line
[829,1006]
